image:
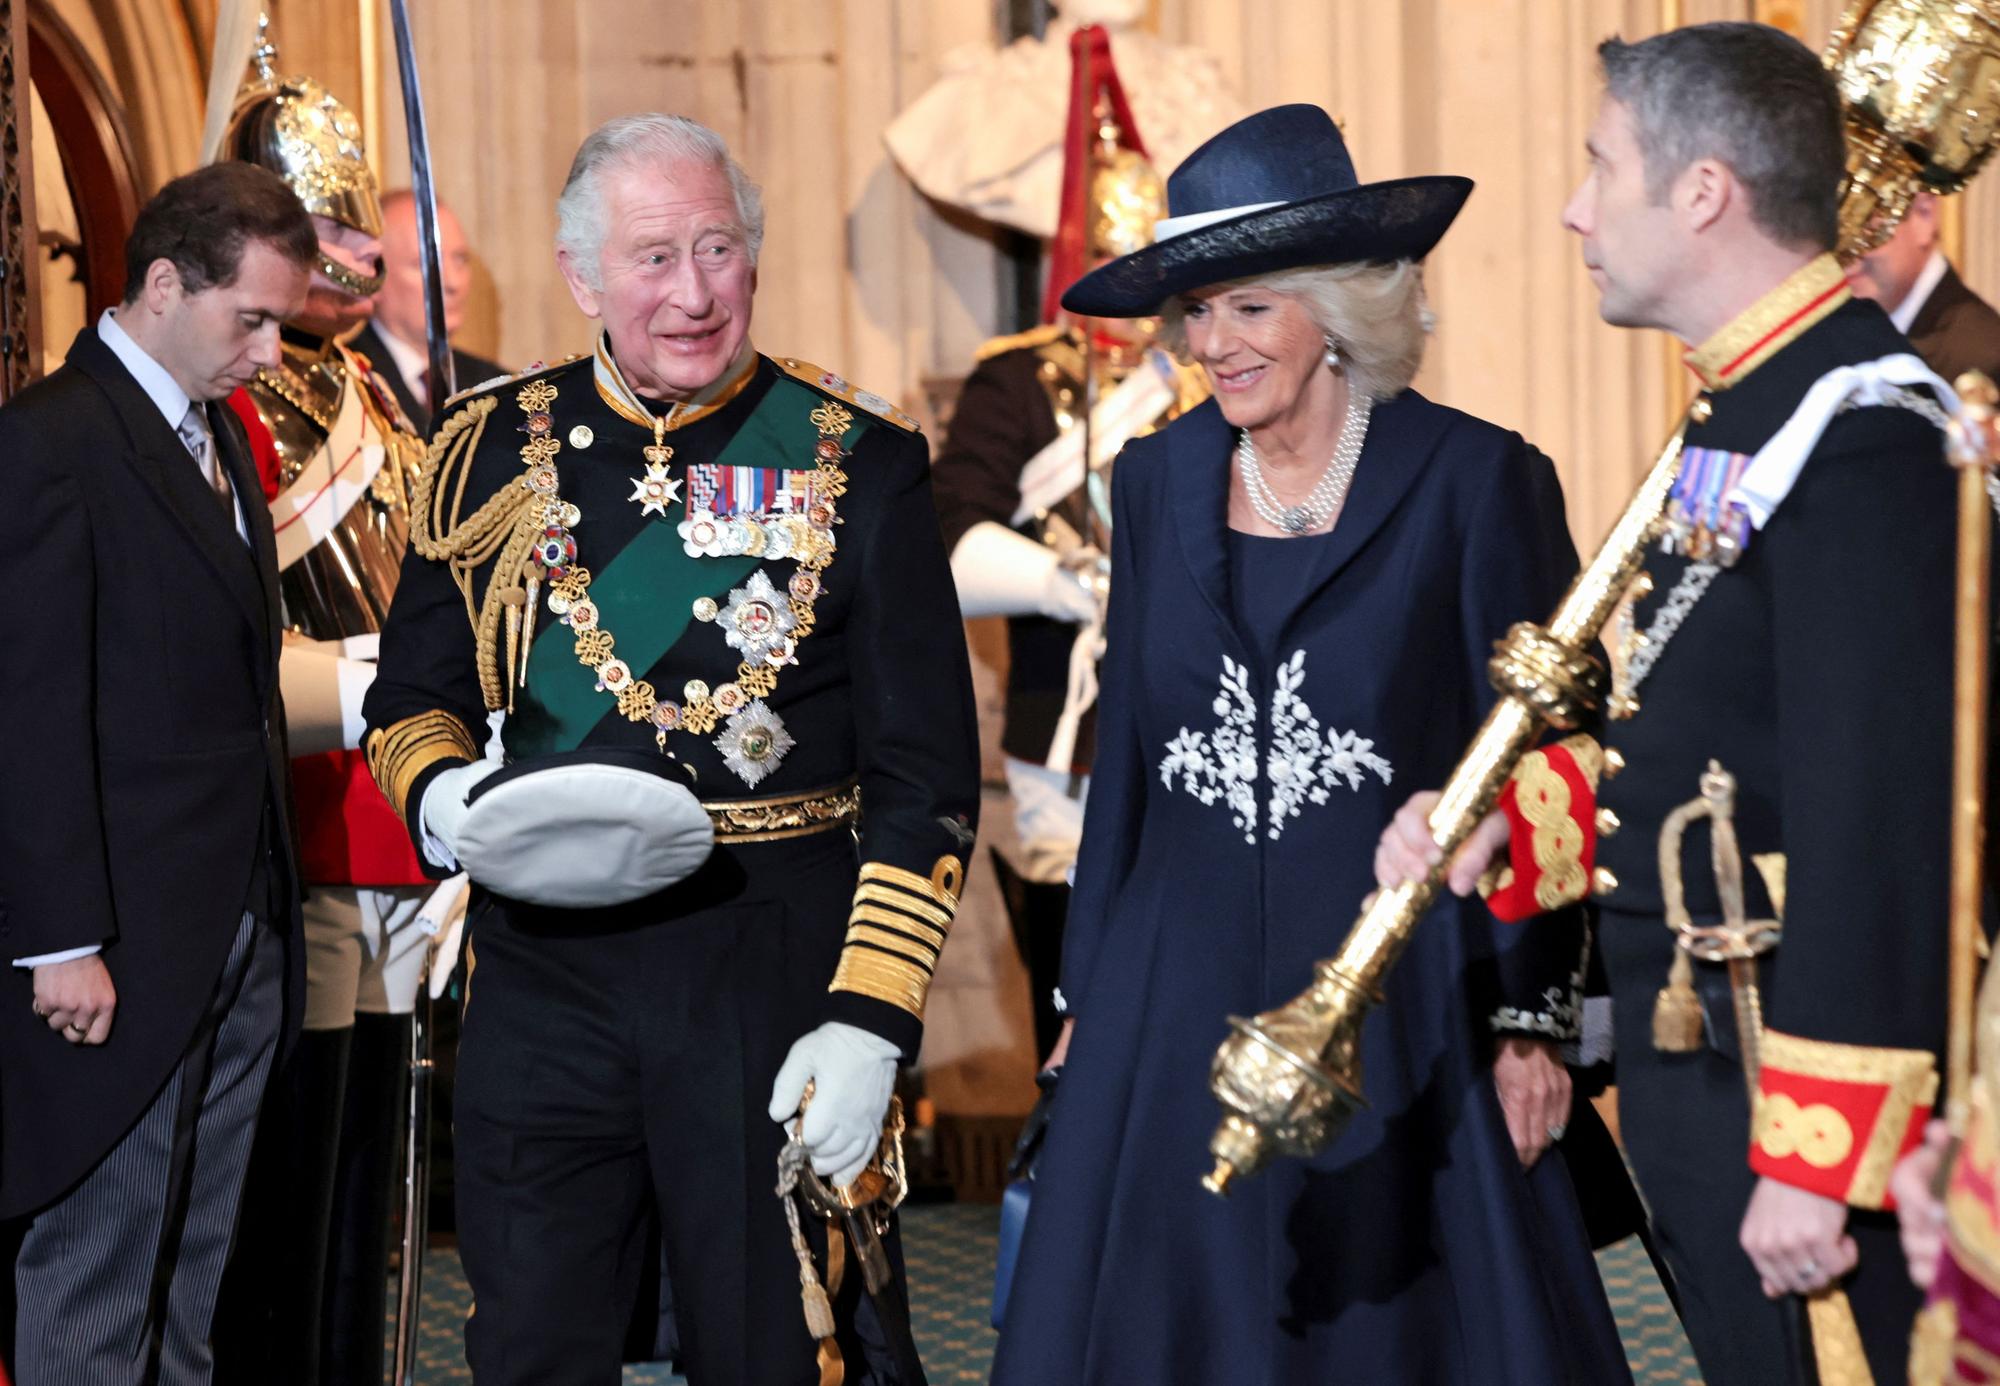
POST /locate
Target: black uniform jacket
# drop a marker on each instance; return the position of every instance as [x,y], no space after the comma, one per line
[1817,671]
[1003,419]
[881,690]
[149,766]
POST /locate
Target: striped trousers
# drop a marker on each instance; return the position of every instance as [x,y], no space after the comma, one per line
[116,1282]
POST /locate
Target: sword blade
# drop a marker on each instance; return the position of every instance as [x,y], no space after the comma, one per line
[443,379]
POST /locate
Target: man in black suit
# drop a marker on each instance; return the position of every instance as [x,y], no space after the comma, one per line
[147,897]
[394,339]
[1952,328]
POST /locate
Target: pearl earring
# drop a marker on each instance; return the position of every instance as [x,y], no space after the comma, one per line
[1332,353]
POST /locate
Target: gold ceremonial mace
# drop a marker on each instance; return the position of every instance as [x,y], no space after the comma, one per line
[1973,449]
[1921,81]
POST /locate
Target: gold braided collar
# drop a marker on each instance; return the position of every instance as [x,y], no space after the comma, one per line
[1770,324]
[626,403]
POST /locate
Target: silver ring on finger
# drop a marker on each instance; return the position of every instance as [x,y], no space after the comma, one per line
[1809,1271]
[75,1029]
[1556,1130]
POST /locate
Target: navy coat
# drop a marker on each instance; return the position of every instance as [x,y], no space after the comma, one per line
[1415,1249]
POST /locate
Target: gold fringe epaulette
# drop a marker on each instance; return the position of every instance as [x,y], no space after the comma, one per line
[501,531]
[539,368]
[1021,341]
[826,382]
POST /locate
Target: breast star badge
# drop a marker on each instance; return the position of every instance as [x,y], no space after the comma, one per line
[655,491]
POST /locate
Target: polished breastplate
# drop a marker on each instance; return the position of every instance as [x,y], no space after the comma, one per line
[341,586]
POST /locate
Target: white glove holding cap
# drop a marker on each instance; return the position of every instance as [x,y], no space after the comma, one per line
[443,811]
[853,1073]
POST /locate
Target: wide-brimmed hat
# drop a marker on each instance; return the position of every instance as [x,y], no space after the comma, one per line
[1274,191]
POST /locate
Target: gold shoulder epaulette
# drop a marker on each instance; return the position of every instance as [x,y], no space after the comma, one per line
[539,368]
[1018,341]
[828,383]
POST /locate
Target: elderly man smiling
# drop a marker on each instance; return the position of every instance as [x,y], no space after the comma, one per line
[708,590]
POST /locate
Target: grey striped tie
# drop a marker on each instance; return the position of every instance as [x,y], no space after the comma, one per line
[200,444]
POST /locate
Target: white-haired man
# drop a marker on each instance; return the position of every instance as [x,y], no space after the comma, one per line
[675,556]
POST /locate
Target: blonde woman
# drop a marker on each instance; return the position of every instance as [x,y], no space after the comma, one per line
[1309,575]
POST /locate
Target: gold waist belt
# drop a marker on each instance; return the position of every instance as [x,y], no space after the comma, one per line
[785,815]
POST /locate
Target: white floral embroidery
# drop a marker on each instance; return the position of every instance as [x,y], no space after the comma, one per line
[1302,766]
[1304,763]
[1221,764]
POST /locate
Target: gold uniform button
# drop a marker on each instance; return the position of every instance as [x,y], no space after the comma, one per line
[1602,881]
[1607,823]
[1614,761]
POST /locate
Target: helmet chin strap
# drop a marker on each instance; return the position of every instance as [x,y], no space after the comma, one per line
[350,280]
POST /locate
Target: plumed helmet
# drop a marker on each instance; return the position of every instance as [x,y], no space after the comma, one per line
[297,129]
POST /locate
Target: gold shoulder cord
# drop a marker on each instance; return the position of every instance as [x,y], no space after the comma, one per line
[503,530]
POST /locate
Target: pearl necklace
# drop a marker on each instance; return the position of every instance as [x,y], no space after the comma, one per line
[1317,508]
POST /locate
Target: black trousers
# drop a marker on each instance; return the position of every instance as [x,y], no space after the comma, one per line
[1685,1119]
[614,1057]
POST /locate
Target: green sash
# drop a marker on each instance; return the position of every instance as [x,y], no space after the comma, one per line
[645,594]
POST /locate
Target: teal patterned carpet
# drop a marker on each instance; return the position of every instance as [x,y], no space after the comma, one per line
[950,1251]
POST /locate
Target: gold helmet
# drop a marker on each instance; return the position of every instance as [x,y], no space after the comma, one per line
[297,129]
[1127,196]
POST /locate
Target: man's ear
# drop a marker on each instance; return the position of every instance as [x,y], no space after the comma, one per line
[585,296]
[161,286]
[1704,192]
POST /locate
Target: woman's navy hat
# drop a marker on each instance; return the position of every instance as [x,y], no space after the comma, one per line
[1274,191]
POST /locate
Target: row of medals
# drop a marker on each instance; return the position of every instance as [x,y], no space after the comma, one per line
[758,622]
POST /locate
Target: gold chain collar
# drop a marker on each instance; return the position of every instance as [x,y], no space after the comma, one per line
[554,559]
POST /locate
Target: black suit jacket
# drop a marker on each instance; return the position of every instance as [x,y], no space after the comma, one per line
[1956,330]
[148,771]
[472,370]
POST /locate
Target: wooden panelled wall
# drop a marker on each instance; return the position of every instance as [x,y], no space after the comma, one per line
[863,275]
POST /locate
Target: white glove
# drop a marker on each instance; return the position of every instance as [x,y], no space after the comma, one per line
[999,572]
[443,810]
[853,1073]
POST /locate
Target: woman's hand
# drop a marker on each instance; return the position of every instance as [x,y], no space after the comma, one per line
[1407,851]
[1534,1092]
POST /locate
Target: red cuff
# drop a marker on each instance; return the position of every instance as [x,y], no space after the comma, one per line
[1835,1118]
[1551,808]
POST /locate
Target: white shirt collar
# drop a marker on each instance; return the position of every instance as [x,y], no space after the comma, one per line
[410,362]
[161,388]
[1920,292]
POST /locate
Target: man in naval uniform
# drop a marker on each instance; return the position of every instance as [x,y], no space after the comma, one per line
[675,564]
[1797,634]
[305,1298]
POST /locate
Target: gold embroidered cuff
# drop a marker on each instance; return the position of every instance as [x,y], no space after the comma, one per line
[399,753]
[1835,1118]
[896,931]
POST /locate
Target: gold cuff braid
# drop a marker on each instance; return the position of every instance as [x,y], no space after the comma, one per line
[896,931]
[399,753]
